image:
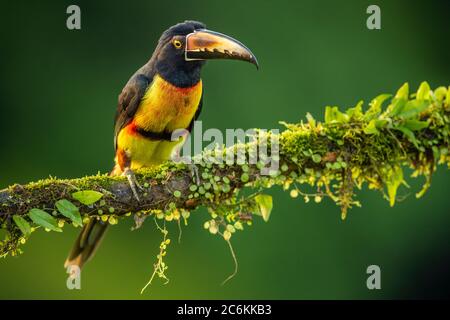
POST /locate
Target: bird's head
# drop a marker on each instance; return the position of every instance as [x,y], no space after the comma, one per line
[183,49]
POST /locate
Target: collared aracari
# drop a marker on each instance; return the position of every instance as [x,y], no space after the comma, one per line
[162,96]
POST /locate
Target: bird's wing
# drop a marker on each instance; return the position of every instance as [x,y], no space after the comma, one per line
[129,100]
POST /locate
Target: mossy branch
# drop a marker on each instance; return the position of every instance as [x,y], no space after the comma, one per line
[333,157]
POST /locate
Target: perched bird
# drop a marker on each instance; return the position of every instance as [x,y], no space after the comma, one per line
[162,96]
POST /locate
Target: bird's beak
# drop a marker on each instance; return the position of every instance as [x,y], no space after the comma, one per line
[205,44]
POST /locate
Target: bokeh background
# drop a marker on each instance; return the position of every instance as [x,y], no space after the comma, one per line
[58,93]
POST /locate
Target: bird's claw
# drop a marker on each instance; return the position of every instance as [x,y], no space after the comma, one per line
[194,173]
[134,184]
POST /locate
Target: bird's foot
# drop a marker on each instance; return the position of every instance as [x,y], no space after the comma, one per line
[194,173]
[134,184]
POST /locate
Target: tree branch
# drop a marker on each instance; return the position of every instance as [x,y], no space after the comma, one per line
[332,158]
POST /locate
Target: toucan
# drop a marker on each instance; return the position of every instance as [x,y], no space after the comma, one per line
[164,95]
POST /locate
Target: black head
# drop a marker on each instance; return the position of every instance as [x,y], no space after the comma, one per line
[183,48]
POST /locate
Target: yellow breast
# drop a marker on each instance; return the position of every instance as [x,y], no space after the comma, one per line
[166,107]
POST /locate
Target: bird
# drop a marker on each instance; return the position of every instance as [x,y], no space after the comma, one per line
[164,95]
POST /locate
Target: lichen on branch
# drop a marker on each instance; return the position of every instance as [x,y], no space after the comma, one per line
[328,159]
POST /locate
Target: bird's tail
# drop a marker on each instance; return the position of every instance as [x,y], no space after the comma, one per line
[87,243]
[89,239]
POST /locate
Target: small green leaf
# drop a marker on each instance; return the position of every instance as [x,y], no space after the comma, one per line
[87,197]
[440,93]
[395,107]
[69,210]
[376,106]
[245,177]
[289,126]
[177,193]
[415,125]
[316,158]
[264,202]
[403,92]
[393,180]
[23,224]
[423,93]
[44,219]
[356,111]
[311,120]
[329,114]
[371,128]
[409,134]
[412,109]
[332,114]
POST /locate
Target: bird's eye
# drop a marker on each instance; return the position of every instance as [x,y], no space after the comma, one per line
[177,44]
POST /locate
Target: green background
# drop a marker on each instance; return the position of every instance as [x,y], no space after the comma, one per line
[58,93]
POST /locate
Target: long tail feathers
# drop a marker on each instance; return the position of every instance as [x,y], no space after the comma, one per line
[89,238]
[87,243]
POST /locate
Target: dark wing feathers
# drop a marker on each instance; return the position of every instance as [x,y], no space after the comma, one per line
[129,100]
